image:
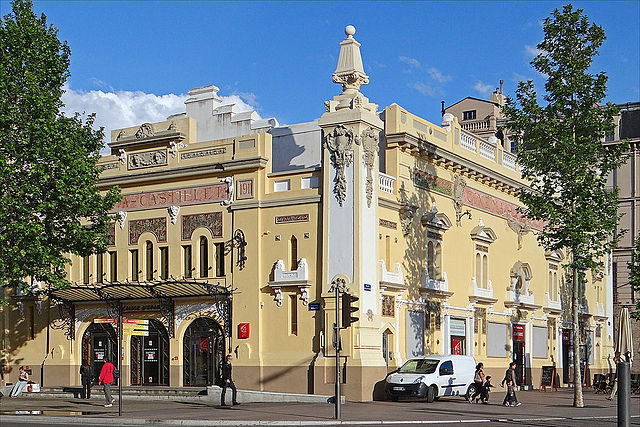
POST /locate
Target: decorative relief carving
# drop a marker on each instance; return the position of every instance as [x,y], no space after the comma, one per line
[230,190]
[172,127]
[121,135]
[211,221]
[430,182]
[288,219]
[369,140]
[459,184]
[203,153]
[122,156]
[519,228]
[388,305]
[388,224]
[144,131]
[147,159]
[156,226]
[339,143]
[173,213]
[407,212]
[122,217]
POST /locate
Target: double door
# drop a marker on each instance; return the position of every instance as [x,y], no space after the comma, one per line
[150,359]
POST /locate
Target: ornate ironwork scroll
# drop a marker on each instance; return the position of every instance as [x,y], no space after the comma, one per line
[66,319]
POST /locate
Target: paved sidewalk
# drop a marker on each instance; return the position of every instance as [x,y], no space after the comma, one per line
[538,408]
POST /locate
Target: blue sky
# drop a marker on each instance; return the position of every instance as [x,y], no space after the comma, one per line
[134,61]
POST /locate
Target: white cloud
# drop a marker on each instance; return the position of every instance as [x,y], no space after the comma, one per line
[483,88]
[437,75]
[119,109]
[532,50]
[411,61]
[426,89]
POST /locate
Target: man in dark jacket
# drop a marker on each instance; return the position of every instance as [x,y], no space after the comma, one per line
[510,381]
[227,381]
[86,376]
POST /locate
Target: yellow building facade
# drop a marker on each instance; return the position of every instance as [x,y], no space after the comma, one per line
[232,229]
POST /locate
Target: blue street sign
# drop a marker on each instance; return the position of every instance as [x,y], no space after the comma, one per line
[314,306]
[367,287]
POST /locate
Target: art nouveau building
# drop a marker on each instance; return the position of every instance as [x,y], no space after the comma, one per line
[232,228]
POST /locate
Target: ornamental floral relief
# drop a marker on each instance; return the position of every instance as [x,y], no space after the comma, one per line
[369,141]
[147,159]
[459,185]
[339,143]
[156,226]
[211,221]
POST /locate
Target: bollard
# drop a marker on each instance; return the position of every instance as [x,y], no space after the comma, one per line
[623,372]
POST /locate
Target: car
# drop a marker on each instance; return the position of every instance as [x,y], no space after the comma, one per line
[430,377]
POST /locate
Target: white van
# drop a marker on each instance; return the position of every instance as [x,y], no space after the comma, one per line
[432,376]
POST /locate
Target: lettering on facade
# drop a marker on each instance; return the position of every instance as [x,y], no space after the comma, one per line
[482,248]
[388,305]
[388,224]
[288,219]
[497,206]
[184,196]
[211,221]
[147,159]
[140,307]
[203,153]
[244,189]
[156,226]
[108,166]
[430,182]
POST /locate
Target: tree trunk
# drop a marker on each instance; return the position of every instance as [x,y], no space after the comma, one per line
[578,400]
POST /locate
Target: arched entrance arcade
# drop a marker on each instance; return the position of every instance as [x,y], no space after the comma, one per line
[203,351]
[99,343]
[150,356]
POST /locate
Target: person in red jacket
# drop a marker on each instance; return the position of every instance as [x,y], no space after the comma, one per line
[106,378]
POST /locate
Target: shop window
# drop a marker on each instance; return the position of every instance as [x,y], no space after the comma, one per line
[85,269]
[293,253]
[149,261]
[164,263]
[204,257]
[113,266]
[293,314]
[186,260]
[134,265]
[458,334]
[99,269]
[540,342]
[497,339]
[219,259]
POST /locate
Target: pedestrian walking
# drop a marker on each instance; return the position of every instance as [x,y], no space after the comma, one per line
[487,388]
[23,379]
[227,381]
[478,380]
[510,381]
[106,379]
[86,375]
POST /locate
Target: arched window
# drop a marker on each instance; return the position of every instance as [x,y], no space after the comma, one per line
[479,270]
[293,252]
[485,271]
[149,260]
[204,257]
[431,261]
[438,261]
[550,286]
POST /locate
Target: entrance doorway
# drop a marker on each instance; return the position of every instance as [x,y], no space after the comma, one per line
[203,349]
[566,355]
[150,356]
[519,353]
[387,340]
[99,343]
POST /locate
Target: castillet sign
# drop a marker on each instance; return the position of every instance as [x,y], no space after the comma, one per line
[183,196]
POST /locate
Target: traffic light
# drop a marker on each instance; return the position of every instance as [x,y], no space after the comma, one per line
[347,309]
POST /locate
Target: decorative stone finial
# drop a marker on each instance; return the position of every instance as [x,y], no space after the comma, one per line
[349,30]
[350,72]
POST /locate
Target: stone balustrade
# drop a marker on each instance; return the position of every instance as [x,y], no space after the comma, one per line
[386,182]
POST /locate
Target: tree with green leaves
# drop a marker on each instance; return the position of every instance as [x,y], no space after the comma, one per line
[634,276]
[561,154]
[50,205]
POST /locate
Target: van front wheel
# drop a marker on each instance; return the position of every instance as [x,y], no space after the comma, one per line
[431,394]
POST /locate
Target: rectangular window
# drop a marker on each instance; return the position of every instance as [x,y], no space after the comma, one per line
[134,265]
[310,182]
[293,311]
[113,265]
[284,185]
[85,269]
[469,115]
[496,339]
[219,259]
[540,342]
[99,269]
[186,256]
[164,263]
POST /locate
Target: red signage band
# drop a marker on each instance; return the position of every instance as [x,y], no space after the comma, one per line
[209,193]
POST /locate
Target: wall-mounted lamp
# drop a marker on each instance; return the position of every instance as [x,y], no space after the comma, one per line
[463,214]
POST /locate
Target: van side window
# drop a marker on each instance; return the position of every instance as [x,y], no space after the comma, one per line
[446,368]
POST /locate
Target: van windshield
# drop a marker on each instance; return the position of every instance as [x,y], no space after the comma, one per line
[419,366]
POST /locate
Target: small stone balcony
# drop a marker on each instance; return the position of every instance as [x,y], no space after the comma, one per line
[482,295]
[600,310]
[515,298]
[433,287]
[291,278]
[552,305]
[392,280]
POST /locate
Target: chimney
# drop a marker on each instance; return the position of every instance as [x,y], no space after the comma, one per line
[442,107]
[501,82]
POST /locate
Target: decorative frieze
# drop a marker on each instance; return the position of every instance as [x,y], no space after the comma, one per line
[425,180]
[369,141]
[156,226]
[388,305]
[108,166]
[203,153]
[147,159]
[388,224]
[211,221]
